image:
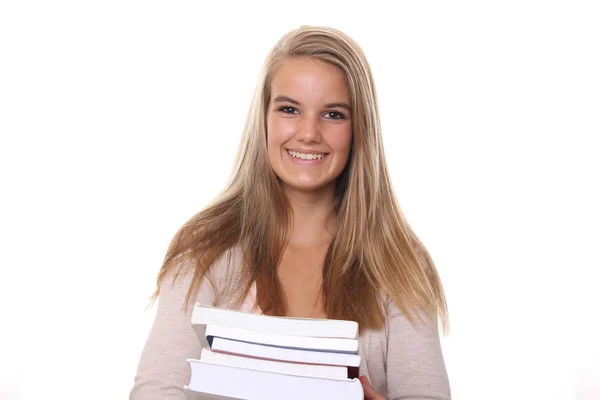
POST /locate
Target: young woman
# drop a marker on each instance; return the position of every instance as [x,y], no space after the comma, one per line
[308,226]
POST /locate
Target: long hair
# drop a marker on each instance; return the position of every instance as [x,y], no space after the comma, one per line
[374,254]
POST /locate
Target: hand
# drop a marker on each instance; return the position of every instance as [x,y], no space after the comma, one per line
[370,393]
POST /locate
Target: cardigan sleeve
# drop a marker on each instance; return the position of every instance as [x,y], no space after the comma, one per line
[415,364]
[163,370]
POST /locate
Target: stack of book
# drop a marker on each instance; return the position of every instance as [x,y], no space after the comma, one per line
[253,356]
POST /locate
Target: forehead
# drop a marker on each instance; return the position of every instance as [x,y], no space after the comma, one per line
[309,77]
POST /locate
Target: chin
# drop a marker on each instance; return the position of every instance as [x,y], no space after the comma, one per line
[306,186]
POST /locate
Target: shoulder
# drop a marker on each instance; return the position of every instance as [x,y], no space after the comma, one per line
[228,278]
[184,276]
[227,265]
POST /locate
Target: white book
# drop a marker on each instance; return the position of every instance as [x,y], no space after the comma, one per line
[207,315]
[322,371]
[226,382]
[236,347]
[348,346]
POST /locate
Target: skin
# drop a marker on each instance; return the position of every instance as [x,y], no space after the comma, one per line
[306,111]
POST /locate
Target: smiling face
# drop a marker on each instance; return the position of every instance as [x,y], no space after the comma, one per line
[309,124]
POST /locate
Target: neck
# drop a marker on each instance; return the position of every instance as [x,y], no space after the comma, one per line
[314,221]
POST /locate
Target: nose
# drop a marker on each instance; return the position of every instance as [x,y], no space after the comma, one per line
[309,130]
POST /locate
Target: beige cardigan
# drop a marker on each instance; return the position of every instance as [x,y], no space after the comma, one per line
[402,361]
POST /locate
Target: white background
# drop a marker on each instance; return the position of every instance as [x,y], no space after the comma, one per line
[121,119]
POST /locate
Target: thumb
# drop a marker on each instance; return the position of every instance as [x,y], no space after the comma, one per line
[370,393]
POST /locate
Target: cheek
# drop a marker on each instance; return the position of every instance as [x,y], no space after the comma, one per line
[341,140]
[279,130]
[271,131]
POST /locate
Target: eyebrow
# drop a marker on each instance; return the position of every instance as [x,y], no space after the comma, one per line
[282,99]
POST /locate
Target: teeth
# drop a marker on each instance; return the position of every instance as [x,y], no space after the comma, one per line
[304,156]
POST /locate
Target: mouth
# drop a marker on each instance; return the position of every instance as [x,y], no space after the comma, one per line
[306,156]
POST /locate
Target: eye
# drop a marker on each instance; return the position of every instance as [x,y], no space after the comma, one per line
[287,109]
[335,115]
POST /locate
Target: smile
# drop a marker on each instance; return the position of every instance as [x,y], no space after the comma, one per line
[305,156]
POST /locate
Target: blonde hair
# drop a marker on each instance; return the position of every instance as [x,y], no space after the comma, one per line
[374,254]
